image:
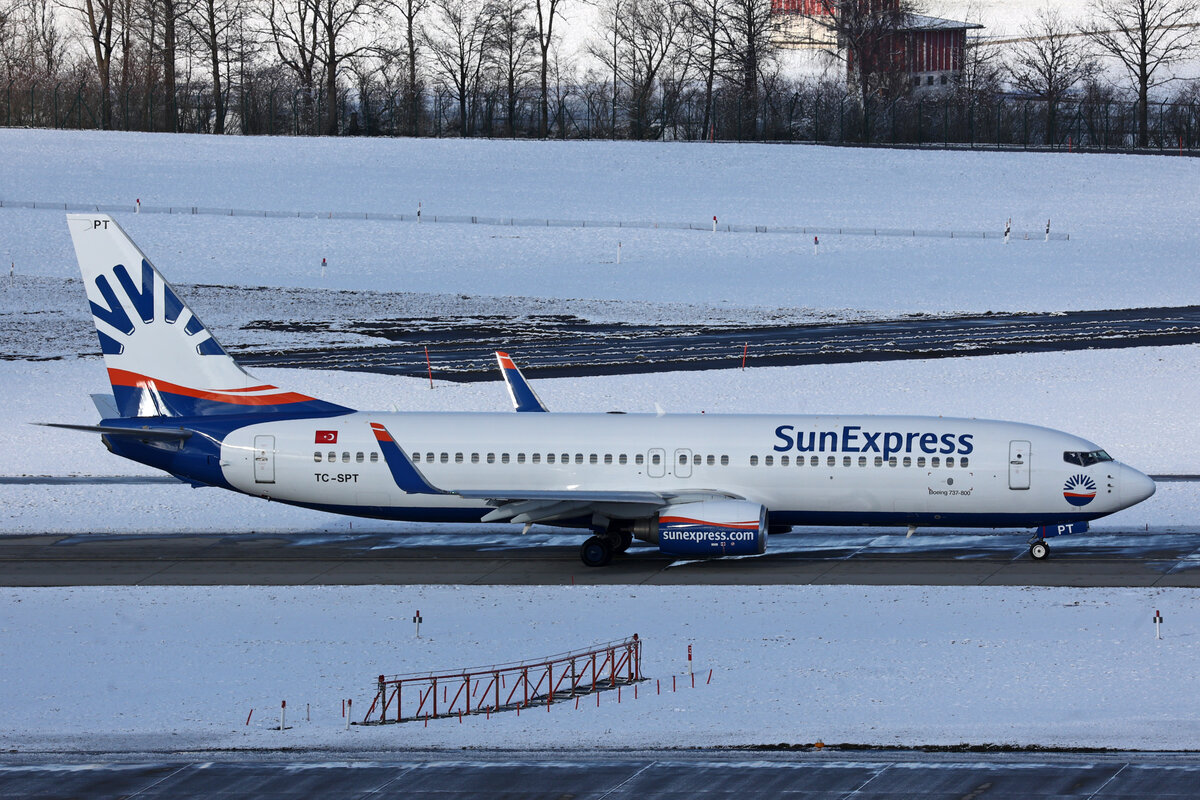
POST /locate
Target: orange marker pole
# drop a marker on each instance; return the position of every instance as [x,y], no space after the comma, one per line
[429,366]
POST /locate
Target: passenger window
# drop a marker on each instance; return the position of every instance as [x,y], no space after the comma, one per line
[491,458]
[862,461]
[639,459]
[359,457]
[579,458]
[920,461]
[458,458]
[682,459]
[962,462]
[374,458]
[784,461]
[845,461]
[656,459]
[935,461]
[474,458]
[520,458]
[724,461]
[879,461]
[416,458]
[830,461]
[445,458]
[769,461]
[950,461]
[549,458]
[622,459]
[608,458]
[892,461]
[316,457]
[696,460]
[908,461]
[346,457]
[712,461]
[565,459]
[332,456]
[754,461]
[593,459]
[535,458]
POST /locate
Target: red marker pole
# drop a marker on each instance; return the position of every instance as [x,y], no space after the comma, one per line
[745,350]
[429,365]
[248,716]
[283,715]
[349,704]
[714,223]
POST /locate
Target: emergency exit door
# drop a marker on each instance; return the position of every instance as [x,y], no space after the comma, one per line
[264,459]
[1018,465]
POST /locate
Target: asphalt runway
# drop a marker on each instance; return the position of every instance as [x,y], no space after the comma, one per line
[857,557]
[814,775]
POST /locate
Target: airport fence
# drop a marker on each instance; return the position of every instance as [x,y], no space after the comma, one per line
[530,222]
[506,687]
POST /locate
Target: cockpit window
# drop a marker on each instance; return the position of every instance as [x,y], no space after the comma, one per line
[1086,459]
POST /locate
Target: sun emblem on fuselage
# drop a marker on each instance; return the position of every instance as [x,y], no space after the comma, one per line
[1079,490]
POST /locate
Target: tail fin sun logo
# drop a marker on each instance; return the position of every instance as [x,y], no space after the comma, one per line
[115,315]
[1079,490]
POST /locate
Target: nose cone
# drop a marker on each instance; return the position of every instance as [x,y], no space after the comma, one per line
[1135,487]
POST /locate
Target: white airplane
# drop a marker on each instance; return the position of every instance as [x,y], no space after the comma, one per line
[692,484]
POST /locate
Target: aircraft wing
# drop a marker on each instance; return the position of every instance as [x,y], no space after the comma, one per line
[526,505]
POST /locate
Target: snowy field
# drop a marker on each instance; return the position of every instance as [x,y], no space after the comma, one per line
[1131,220]
[154,669]
[176,668]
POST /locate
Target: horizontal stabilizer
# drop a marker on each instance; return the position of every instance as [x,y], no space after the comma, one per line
[144,434]
[106,404]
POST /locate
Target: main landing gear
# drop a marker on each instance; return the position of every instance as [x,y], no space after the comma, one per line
[599,549]
[1039,549]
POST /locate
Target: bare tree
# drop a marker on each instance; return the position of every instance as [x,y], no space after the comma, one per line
[512,49]
[1050,61]
[608,50]
[216,24]
[746,51]
[546,12]
[650,30]
[1144,36]
[458,37]
[294,31]
[99,17]
[704,20]
[410,10]
[340,22]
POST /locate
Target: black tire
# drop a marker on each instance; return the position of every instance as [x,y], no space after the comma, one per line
[596,552]
[1039,550]
[625,539]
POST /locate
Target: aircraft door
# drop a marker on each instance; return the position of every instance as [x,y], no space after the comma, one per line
[656,462]
[264,459]
[1018,465]
[683,463]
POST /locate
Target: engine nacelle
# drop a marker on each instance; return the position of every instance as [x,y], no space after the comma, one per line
[712,528]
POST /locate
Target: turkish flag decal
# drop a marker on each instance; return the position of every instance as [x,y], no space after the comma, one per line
[326,437]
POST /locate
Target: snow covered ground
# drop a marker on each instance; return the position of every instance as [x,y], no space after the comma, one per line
[1131,219]
[174,668]
[154,669]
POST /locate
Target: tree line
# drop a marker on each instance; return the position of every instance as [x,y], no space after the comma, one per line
[647,69]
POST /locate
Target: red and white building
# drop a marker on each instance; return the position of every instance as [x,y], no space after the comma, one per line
[929,49]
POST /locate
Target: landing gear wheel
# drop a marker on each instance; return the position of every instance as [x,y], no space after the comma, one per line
[624,540]
[1039,550]
[596,552]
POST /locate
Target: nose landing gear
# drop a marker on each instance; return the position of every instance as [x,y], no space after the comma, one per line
[1039,549]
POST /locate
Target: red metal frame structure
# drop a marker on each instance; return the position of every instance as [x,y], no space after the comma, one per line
[506,687]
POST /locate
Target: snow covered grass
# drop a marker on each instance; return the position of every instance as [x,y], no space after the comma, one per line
[176,668]
[1131,219]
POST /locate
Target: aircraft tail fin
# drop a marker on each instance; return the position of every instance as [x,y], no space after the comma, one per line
[162,361]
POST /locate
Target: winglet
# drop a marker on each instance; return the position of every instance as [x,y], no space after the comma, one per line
[404,473]
[522,394]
